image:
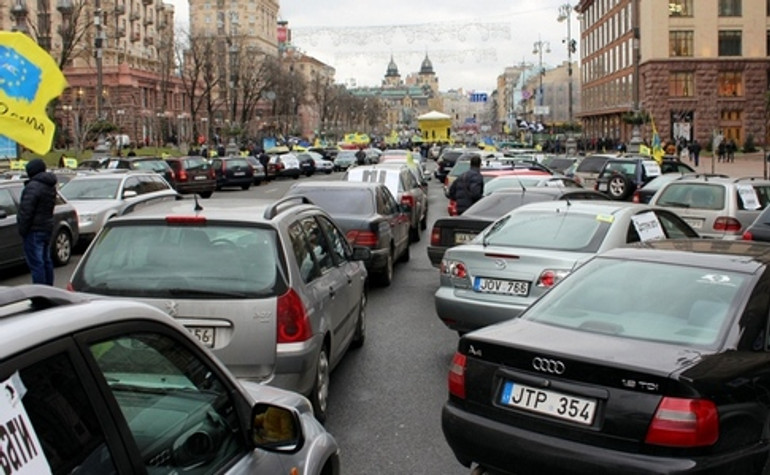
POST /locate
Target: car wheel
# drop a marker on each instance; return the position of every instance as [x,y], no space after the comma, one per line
[319,395]
[328,172]
[360,335]
[206,194]
[414,234]
[246,187]
[406,254]
[386,275]
[618,187]
[62,248]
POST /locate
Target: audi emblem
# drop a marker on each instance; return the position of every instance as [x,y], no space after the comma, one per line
[548,366]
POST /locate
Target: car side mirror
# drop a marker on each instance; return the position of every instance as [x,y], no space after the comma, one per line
[130,194]
[361,254]
[276,429]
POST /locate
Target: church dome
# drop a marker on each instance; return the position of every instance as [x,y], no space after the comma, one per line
[392,69]
[427,66]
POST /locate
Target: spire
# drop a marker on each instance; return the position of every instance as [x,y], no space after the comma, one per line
[427,66]
[392,69]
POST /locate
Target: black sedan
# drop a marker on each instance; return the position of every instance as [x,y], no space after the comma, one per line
[65,233]
[370,216]
[454,230]
[650,359]
[233,171]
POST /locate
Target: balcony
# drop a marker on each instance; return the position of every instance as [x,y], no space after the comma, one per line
[135,37]
[148,42]
[148,21]
[134,16]
[120,32]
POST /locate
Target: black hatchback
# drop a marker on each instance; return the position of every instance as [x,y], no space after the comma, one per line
[650,359]
[233,171]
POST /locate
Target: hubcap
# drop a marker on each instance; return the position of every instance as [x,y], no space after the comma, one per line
[63,248]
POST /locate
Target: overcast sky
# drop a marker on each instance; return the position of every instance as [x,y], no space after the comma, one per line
[469,43]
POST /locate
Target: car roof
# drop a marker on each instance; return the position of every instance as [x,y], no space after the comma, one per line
[336,184]
[114,174]
[738,256]
[588,206]
[719,179]
[23,328]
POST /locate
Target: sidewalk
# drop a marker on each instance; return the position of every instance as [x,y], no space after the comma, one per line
[745,165]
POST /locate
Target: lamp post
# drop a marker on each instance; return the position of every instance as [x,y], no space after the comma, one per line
[565,14]
[538,48]
[19,13]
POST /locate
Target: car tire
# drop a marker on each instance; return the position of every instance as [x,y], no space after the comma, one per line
[360,336]
[406,255]
[618,187]
[386,275]
[61,250]
[319,395]
[206,194]
[245,187]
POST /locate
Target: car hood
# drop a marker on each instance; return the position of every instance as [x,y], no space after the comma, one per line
[95,206]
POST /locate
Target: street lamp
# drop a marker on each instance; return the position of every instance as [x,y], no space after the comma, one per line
[565,13]
[538,48]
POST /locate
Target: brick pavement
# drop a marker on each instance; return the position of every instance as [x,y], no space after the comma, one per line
[744,165]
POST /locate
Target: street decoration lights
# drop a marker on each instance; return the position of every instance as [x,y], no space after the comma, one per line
[538,48]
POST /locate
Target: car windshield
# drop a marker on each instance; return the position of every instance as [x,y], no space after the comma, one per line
[150,165]
[591,164]
[341,201]
[555,230]
[92,189]
[662,302]
[693,195]
[191,164]
[157,260]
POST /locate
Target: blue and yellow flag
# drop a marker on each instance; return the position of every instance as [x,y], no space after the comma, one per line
[657,147]
[29,80]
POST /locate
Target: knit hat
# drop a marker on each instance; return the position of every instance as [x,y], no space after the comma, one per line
[35,166]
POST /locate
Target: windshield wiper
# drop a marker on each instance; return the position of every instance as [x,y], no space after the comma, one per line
[493,229]
[213,293]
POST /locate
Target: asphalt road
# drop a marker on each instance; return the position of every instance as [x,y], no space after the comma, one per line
[386,397]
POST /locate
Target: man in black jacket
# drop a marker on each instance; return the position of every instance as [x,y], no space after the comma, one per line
[468,188]
[35,220]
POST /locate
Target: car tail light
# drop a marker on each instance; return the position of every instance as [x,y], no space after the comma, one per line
[360,237]
[435,236]
[727,224]
[451,208]
[635,197]
[550,277]
[457,376]
[293,322]
[185,220]
[682,422]
[747,236]
[454,268]
[182,175]
[407,200]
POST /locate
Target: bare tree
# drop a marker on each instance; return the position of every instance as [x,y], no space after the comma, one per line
[257,75]
[199,76]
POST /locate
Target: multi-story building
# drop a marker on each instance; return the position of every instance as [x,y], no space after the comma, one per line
[311,110]
[696,68]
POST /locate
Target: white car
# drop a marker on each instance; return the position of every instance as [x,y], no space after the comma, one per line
[321,165]
[102,196]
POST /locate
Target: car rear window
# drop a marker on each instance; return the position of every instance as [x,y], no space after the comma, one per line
[238,162]
[164,261]
[591,164]
[693,195]
[341,201]
[578,232]
[192,164]
[640,300]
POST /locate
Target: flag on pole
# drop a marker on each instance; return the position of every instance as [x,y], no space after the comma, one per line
[29,80]
[657,146]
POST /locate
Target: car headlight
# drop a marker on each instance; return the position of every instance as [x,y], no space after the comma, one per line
[86,218]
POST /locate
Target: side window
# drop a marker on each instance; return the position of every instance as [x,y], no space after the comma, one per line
[132,184]
[49,393]
[672,226]
[382,203]
[318,244]
[308,268]
[6,202]
[340,248]
[392,203]
[180,413]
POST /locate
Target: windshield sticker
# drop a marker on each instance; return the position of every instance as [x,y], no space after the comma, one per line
[748,196]
[605,218]
[20,449]
[716,279]
[648,227]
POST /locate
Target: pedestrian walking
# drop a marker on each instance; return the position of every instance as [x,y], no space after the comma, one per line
[722,152]
[361,156]
[264,159]
[35,220]
[731,148]
[695,152]
[468,188]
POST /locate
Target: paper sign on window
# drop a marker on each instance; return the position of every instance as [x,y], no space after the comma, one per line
[748,196]
[20,449]
[648,227]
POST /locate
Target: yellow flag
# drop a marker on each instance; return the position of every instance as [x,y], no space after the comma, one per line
[657,148]
[29,80]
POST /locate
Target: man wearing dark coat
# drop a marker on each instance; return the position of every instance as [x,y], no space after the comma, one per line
[35,220]
[468,188]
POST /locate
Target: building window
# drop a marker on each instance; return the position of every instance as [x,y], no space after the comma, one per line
[680,43]
[767,42]
[681,7]
[681,84]
[730,84]
[729,7]
[730,43]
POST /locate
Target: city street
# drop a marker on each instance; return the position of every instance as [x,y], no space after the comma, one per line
[385,399]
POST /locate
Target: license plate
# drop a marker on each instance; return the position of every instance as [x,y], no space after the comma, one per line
[461,238]
[200,177]
[551,403]
[204,335]
[239,173]
[694,223]
[500,286]
[601,186]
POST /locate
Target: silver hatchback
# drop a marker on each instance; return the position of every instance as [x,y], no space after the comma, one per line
[272,288]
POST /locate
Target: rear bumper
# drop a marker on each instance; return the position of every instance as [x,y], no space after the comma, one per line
[295,365]
[435,254]
[464,315]
[379,260]
[195,187]
[503,448]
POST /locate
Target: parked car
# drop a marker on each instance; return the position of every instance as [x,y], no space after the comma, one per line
[272,287]
[153,164]
[319,163]
[454,230]
[669,378]
[560,163]
[233,171]
[719,208]
[587,171]
[193,174]
[65,231]
[401,182]
[489,174]
[621,177]
[284,165]
[646,192]
[519,257]
[525,181]
[306,164]
[93,163]
[369,216]
[490,161]
[344,160]
[100,197]
[96,385]
[259,169]
[446,161]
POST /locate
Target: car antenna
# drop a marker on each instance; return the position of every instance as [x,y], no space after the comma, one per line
[198,206]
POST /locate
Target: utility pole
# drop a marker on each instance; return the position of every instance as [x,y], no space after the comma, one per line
[538,48]
[565,13]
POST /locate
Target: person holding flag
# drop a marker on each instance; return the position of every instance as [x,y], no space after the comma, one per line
[657,146]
